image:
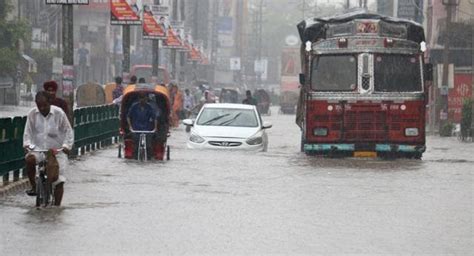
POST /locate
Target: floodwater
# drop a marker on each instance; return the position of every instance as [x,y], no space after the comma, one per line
[275,202]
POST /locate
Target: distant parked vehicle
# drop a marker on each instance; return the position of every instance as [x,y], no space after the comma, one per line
[145,71]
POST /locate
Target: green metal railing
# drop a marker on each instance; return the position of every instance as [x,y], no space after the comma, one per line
[93,127]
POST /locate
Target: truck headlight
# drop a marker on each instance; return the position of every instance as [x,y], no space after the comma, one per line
[411,132]
[196,138]
[320,131]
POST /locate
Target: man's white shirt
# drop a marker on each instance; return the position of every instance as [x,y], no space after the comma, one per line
[50,132]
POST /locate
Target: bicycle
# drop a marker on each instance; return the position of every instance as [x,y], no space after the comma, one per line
[44,187]
[142,152]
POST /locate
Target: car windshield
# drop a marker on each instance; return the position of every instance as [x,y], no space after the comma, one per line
[228,117]
[397,73]
[334,73]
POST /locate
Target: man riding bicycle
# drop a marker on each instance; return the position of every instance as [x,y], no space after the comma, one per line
[141,117]
[47,127]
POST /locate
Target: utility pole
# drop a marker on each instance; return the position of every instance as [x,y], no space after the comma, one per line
[259,42]
[68,58]
[214,35]
[239,40]
[444,85]
[126,50]
[348,4]
[173,51]
[303,8]
[156,54]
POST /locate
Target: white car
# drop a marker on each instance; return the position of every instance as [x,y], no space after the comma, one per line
[228,126]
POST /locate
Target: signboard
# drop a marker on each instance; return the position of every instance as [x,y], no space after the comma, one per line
[224,25]
[260,68]
[174,34]
[235,63]
[96,6]
[68,78]
[68,88]
[439,69]
[292,40]
[57,65]
[410,9]
[155,22]
[67,1]
[38,39]
[462,91]
[125,12]
[224,29]
[6,82]
[195,55]
[188,42]
[68,72]
[290,62]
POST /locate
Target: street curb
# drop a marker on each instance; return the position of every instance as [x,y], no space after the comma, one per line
[14,187]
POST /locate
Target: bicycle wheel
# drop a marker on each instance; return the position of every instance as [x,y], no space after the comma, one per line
[39,192]
[47,193]
[141,154]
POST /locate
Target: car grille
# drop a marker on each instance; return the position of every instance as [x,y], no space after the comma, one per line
[225,143]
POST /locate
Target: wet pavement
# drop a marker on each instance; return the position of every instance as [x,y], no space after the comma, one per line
[275,202]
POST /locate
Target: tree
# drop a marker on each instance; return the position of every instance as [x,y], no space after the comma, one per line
[12,32]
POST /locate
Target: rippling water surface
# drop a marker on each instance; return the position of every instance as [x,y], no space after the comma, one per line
[229,202]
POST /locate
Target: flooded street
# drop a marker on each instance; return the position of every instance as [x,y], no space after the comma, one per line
[280,201]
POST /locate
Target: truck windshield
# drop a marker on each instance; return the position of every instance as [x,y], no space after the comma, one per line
[334,73]
[397,73]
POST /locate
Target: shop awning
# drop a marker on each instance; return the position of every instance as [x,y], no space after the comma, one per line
[32,65]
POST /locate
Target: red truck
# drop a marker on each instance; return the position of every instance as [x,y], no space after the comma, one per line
[363,88]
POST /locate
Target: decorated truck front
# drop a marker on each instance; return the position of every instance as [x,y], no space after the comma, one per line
[363,86]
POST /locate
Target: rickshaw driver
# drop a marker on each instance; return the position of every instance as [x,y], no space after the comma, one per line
[141,117]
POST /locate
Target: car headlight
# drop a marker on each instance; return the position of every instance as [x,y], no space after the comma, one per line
[196,138]
[411,132]
[254,140]
[320,131]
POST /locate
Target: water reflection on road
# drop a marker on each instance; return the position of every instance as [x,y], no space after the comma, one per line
[280,201]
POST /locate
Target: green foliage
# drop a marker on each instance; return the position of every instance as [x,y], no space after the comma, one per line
[446,130]
[466,119]
[5,8]
[44,60]
[8,60]
[11,32]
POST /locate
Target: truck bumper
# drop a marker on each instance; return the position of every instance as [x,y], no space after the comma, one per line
[351,148]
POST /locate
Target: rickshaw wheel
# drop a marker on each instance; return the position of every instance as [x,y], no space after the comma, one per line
[120,151]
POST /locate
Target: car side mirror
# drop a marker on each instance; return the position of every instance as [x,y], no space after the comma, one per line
[188,122]
[302,79]
[428,72]
[267,125]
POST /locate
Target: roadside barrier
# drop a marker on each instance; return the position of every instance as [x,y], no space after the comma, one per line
[94,127]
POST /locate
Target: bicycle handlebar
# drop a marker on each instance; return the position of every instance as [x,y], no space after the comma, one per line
[44,150]
[153,131]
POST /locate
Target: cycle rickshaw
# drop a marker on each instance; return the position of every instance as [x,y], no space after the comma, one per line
[150,144]
[229,95]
